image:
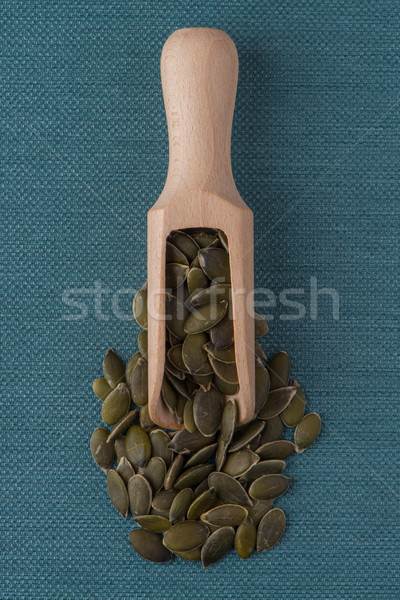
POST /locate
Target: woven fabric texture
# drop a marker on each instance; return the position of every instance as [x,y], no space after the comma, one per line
[84,155]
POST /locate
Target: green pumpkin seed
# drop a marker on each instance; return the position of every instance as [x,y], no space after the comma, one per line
[185,536]
[143,344]
[207,411]
[279,370]
[292,414]
[196,280]
[172,370]
[228,489]
[262,386]
[259,352]
[188,418]
[180,407]
[174,470]
[180,386]
[260,326]
[227,355]
[155,472]
[202,503]
[101,388]
[138,383]
[244,436]
[169,395]
[102,451]
[211,295]
[174,255]
[174,355]
[268,487]
[215,264]
[205,317]
[222,334]
[113,368]
[149,545]
[140,495]
[276,449]
[270,529]
[239,462]
[245,538]
[180,505]
[185,243]
[202,487]
[140,307]
[193,476]
[259,509]
[119,447]
[307,431]
[254,444]
[162,500]
[185,442]
[125,469]
[217,545]
[116,404]
[137,445]
[225,371]
[226,389]
[132,362]
[144,417]
[204,381]
[276,402]
[155,523]
[272,431]
[223,239]
[228,424]
[204,237]
[175,275]
[190,555]
[159,445]
[122,425]
[201,456]
[176,314]
[264,467]
[193,354]
[117,492]
[230,515]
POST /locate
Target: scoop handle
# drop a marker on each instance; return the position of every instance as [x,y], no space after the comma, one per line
[199,71]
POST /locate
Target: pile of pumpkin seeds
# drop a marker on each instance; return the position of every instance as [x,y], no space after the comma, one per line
[211,486]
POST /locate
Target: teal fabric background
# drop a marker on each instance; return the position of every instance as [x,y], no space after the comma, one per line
[84,155]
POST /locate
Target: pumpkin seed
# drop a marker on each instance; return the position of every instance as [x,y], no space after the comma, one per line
[102,451]
[227,355]
[125,469]
[190,555]
[207,411]
[254,444]
[116,404]
[228,424]
[215,264]
[264,467]
[174,255]
[137,445]
[175,275]
[113,368]
[176,314]
[179,386]
[204,237]
[132,362]
[144,417]
[260,325]
[262,386]
[162,500]
[292,414]
[155,523]
[202,487]
[259,509]
[155,472]
[225,371]
[172,370]
[222,333]
[188,418]
[122,425]
[180,505]
[169,395]
[140,307]
[119,447]
[272,431]
[276,449]
[117,492]
[143,344]
[279,370]
[245,435]
[277,401]
[140,495]
[201,456]
[193,354]
[225,515]
[223,239]
[185,536]
[193,476]
[174,355]
[174,469]
[185,243]
[226,389]
[268,487]
[245,538]
[259,352]
[211,295]
[159,445]
[101,388]
[196,280]
[205,317]
[270,529]
[239,462]
[202,503]
[185,442]
[138,383]
[217,545]
[149,545]
[228,489]
[204,381]
[307,431]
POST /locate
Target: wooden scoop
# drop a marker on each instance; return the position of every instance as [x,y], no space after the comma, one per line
[199,69]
